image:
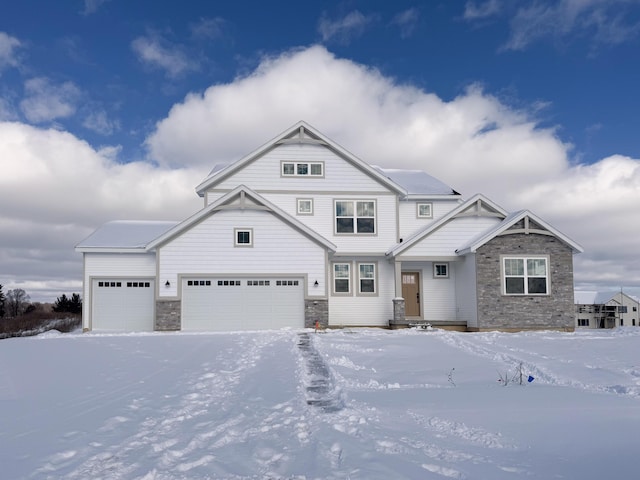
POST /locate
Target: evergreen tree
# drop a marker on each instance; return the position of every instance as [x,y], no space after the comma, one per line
[2,300]
[69,305]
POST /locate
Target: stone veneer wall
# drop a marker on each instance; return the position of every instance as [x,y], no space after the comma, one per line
[316,311]
[168,315]
[497,311]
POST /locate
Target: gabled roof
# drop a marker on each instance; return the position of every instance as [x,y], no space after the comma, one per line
[599,298]
[248,199]
[476,205]
[512,220]
[123,236]
[301,132]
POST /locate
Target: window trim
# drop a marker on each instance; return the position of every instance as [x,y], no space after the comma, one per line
[348,278]
[360,278]
[236,243]
[298,203]
[525,276]
[355,216]
[435,269]
[295,169]
[421,204]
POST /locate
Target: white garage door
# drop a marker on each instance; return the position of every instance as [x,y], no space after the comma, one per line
[123,305]
[261,303]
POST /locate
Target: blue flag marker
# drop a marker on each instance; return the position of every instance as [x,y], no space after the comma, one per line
[530,379]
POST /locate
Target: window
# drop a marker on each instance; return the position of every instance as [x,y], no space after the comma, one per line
[525,276]
[583,322]
[440,270]
[302,169]
[367,278]
[201,283]
[635,309]
[305,206]
[341,278]
[425,210]
[355,216]
[243,237]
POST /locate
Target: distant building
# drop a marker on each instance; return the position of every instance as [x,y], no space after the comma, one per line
[606,310]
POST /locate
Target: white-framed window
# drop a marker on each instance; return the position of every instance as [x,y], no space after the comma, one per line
[424,210]
[342,278]
[367,279]
[355,216]
[440,270]
[243,237]
[525,275]
[302,169]
[305,206]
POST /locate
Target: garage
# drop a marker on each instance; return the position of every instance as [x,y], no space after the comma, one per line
[123,304]
[251,303]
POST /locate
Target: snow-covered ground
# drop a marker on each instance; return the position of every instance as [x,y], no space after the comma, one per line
[361,404]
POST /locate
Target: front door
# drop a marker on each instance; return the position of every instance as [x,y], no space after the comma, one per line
[411,293]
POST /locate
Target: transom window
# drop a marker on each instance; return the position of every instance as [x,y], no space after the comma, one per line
[425,210]
[441,270]
[525,276]
[302,169]
[342,278]
[243,237]
[367,278]
[355,216]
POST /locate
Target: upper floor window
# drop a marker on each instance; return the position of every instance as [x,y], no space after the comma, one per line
[425,210]
[302,169]
[525,276]
[355,216]
[243,237]
[305,206]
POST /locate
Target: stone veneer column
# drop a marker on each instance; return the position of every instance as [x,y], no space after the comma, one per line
[316,311]
[398,310]
[168,315]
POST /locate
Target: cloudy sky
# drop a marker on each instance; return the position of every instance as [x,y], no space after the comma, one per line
[111,109]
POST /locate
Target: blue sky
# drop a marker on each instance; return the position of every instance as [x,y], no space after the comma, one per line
[533,103]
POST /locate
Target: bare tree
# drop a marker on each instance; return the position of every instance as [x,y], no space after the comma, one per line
[16,302]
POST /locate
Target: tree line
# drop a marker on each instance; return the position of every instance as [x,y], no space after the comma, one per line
[17,302]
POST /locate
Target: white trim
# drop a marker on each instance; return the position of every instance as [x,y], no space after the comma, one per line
[355,216]
[525,275]
[349,279]
[429,214]
[236,240]
[435,269]
[375,279]
[299,202]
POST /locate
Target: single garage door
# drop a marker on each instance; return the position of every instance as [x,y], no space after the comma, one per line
[227,304]
[123,305]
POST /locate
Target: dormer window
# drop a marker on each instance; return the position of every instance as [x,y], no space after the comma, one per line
[302,169]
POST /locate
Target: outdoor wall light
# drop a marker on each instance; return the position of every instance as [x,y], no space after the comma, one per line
[167,284]
[316,283]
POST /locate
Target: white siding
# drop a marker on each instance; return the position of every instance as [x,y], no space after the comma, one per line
[358,310]
[408,218]
[265,172]
[453,235]
[466,292]
[113,265]
[208,248]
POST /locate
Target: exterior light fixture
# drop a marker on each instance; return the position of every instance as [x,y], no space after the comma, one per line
[167,284]
[316,283]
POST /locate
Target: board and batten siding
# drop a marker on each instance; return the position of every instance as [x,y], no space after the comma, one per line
[264,173]
[113,265]
[360,310]
[408,214]
[208,248]
[451,236]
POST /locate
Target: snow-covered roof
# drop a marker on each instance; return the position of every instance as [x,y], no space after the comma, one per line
[124,234]
[416,182]
[598,298]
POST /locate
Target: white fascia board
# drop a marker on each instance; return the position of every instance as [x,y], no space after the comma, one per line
[398,248]
[110,250]
[418,197]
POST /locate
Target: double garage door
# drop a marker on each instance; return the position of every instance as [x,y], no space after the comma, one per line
[123,304]
[227,304]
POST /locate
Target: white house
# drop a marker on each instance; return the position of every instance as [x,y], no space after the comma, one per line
[606,309]
[302,232]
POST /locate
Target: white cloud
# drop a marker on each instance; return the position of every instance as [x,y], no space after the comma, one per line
[45,101]
[475,11]
[345,28]
[475,143]
[8,51]
[99,122]
[158,53]
[92,6]
[604,22]
[208,27]
[407,20]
